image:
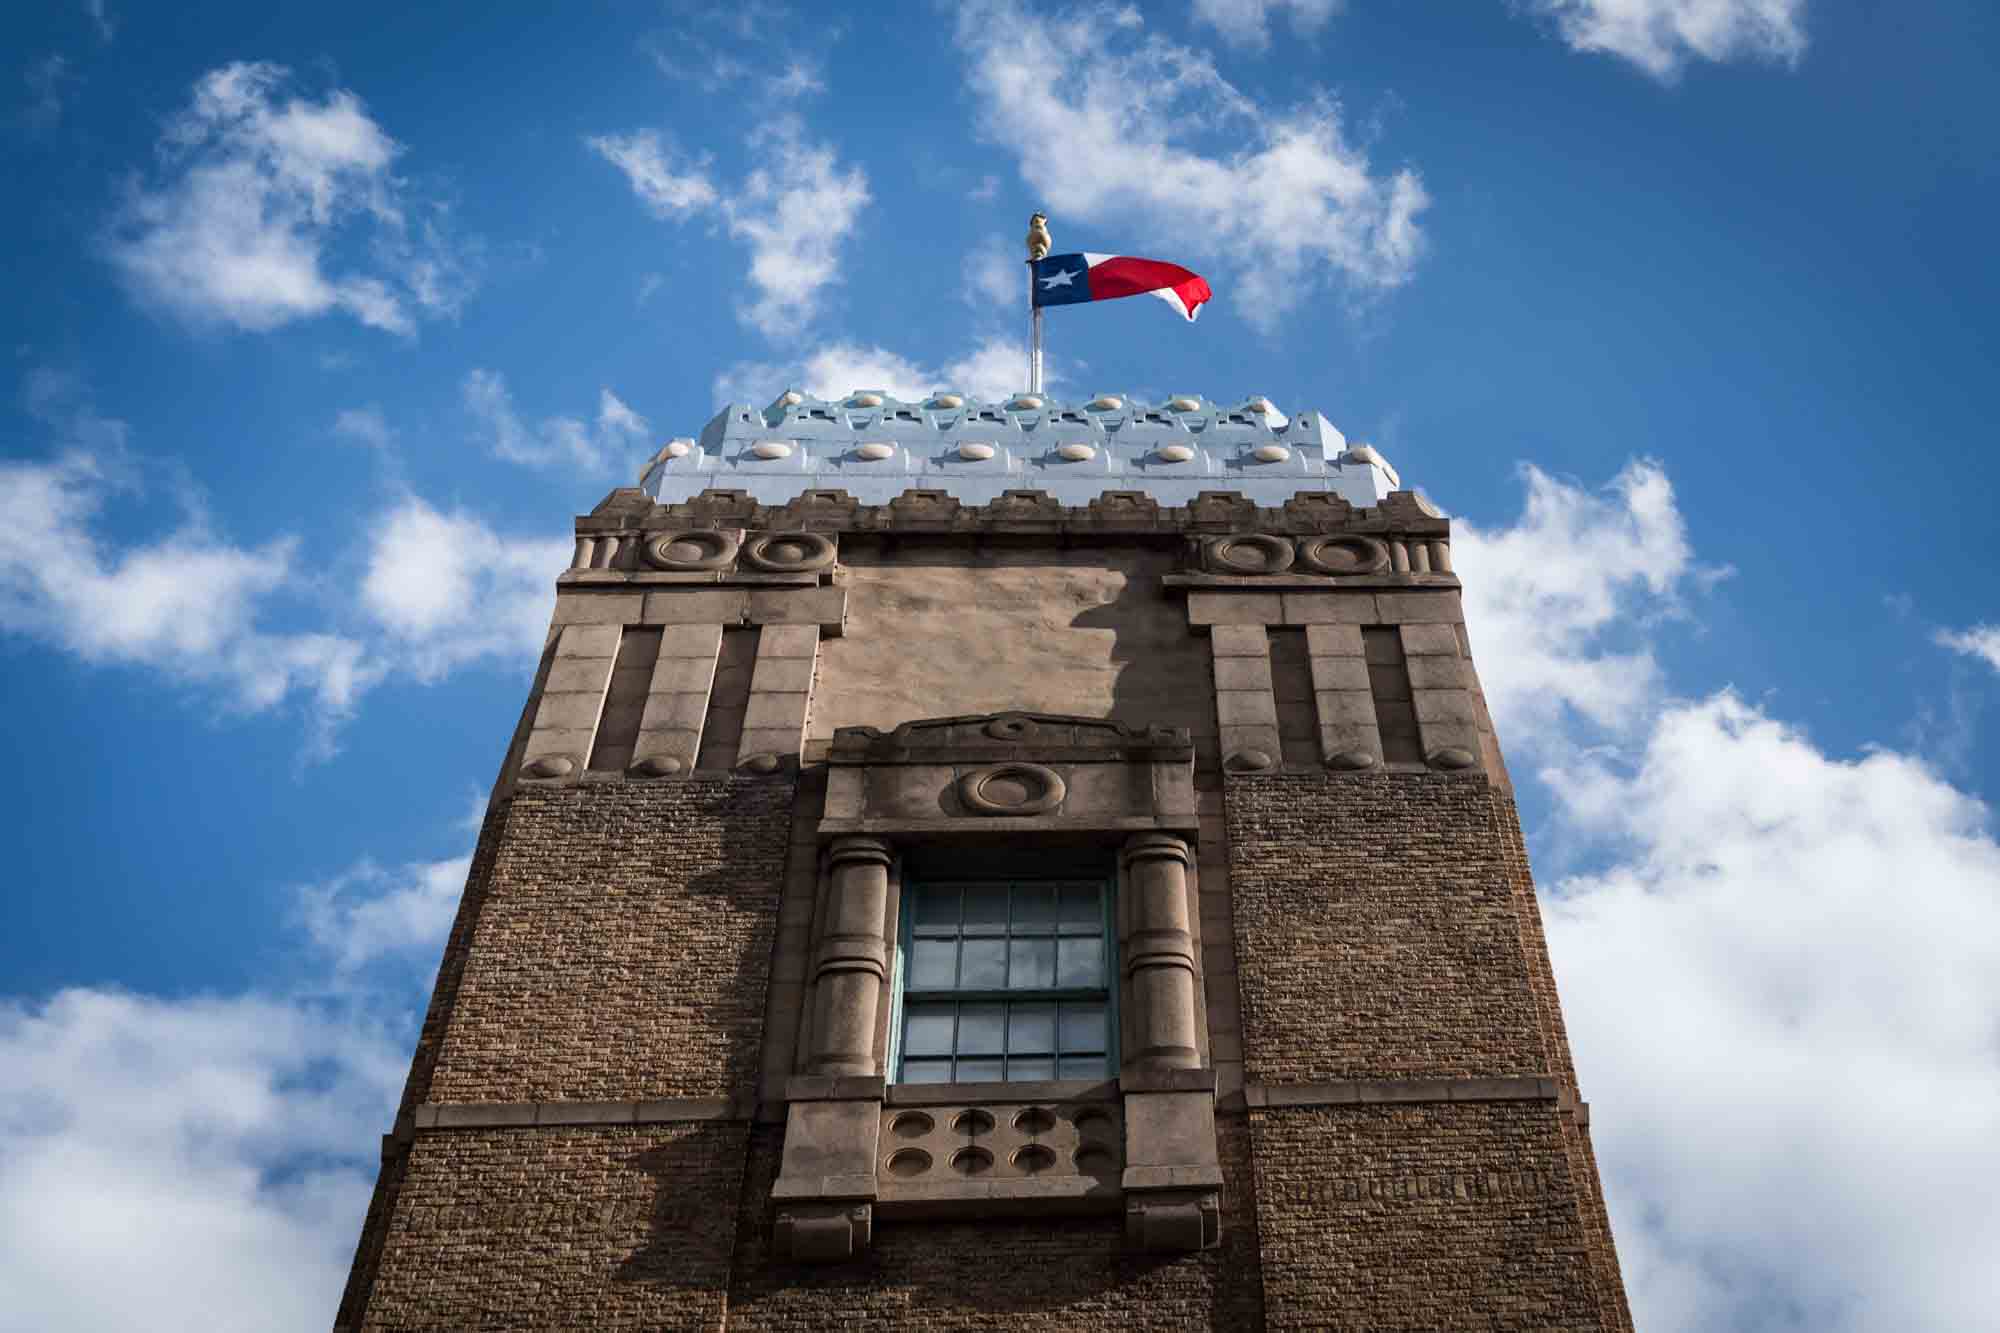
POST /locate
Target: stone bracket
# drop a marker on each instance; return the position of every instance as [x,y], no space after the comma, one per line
[826,1187]
[1173,1176]
[823,1233]
[1174,1220]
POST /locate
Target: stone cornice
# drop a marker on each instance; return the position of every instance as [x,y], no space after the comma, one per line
[1025,512]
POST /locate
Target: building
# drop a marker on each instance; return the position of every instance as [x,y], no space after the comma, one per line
[998,865]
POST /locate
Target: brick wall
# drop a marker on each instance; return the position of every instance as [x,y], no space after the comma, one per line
[602,1228]
[1379,929]
[1424,1217]
[613,943]
[624,945]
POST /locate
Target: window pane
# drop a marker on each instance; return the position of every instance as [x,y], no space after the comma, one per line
[986,907]
[1038,1067]
[1082,1027]
[985,965]
[1034,965]
[1031,1028]
[1084,1066]
[926,1071]
[1034,908]
[979,1071]
[1081,908]
[1081,961]
[980,1027]
[927,1029]
[937,907]
[932,963]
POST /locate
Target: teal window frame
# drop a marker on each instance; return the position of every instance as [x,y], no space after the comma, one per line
[906,934]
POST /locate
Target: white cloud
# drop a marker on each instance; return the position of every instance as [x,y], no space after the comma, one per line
[438,590]
[214,1144]
[1298,201]
[1662,36]
[994,276]
[800,79]
[988,187]
[1779,971]
[189,603]
[364,425]
[995,368]
[605,445]
[210,1152]
[1783,1004]
[667,190]
[1981,641]
[257,193]
[445,589]
[1551,600]
[105,23]
[1247,23]
[45,79]
[794,209]
[368,913]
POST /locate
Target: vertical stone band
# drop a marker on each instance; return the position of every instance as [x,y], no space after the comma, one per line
[852,961]
[1158,950]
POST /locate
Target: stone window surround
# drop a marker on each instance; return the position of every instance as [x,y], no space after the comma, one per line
[829,1183]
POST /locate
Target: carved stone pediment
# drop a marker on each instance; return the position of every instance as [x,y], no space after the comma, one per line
[1011,735]
[1016,770]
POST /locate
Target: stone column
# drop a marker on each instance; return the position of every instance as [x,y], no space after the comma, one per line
[853,958]
[1158,951]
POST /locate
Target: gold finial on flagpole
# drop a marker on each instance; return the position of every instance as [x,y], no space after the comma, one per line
[1039,242]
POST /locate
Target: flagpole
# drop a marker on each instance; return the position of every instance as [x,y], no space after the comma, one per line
[1038,248]
[1034,336]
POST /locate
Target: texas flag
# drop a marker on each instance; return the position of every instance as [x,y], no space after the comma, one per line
[1067,279]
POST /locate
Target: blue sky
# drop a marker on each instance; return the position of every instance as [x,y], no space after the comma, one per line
[324,322]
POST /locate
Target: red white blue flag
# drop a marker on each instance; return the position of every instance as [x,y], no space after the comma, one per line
[1067,279]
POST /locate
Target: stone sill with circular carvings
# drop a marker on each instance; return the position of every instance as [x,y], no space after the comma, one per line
[976,1152]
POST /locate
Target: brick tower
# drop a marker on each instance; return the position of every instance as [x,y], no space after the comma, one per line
[998,865]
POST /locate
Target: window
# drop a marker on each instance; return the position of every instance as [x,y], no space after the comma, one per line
[1005,981]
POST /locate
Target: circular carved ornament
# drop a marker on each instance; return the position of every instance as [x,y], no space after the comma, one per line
[657,766]
[1343,555]
[763,763]
[789,552]
[1351,761]
[1255,553]
[701,549]
[1010,728]
[1012,789]
[1453,757]
[1249,761]
[549,766]
[907,1162]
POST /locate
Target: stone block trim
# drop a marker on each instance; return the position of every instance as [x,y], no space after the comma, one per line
[1246,708]
[1394,950]
[677,699]
[1443,1215]
[623,945]
[781,680]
